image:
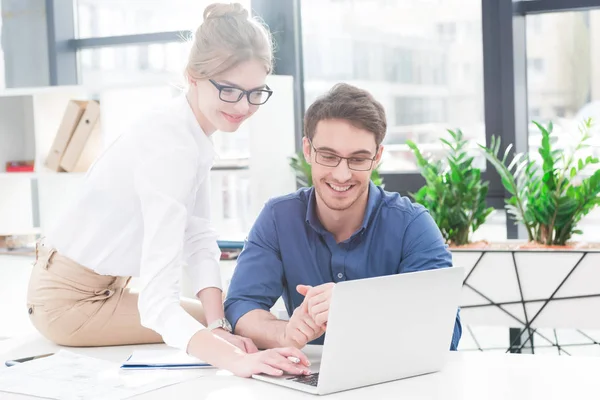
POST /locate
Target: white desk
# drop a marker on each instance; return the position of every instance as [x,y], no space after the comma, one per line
[476,376]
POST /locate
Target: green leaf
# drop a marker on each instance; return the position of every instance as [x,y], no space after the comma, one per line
[573,172]
[447,143]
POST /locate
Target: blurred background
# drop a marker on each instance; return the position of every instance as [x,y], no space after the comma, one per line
[423,59]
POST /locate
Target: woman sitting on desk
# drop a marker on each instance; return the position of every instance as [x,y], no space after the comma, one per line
[143,210]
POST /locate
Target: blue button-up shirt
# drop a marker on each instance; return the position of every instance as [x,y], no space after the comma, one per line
[288,246]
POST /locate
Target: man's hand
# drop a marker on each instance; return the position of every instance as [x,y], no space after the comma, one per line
[243,343]
[317,301]
[300,329]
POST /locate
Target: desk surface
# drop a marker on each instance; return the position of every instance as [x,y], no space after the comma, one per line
[467,375]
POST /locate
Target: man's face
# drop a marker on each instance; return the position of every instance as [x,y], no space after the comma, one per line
[339,187]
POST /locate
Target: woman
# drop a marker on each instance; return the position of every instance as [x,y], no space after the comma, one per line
[144,211]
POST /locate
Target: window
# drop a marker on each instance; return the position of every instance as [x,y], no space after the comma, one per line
[418,110]
[398,64]
[569,89]
[362,60]
[2,82]
[402,52]
[135,64]
[534,24]
[447,31]
[118,17]
[535,66]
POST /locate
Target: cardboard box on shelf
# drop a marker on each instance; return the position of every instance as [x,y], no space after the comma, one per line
[71,117]
[86,141]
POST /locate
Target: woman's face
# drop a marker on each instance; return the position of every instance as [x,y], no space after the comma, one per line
[218,107]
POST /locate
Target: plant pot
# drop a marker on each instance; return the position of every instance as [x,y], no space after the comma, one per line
[520,285]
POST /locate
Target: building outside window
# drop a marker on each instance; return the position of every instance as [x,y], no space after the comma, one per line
[564,84]
[406,53]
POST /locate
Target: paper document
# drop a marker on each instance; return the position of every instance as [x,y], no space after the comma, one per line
[70,376]
[163,359]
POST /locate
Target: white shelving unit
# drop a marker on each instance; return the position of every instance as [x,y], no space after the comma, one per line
[29,119]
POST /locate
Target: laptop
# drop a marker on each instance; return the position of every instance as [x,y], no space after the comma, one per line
[384,329]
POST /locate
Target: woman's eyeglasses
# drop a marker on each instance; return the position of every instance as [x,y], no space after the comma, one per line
[232,94]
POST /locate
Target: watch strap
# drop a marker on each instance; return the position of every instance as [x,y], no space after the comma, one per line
[220,323]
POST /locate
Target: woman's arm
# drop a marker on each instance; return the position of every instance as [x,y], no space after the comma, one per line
[202,253]
[164,184]
[202,268]
[212,302]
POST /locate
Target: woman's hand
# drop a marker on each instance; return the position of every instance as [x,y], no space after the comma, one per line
[273,362]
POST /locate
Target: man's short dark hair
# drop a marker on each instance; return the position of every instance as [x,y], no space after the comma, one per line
[349,103]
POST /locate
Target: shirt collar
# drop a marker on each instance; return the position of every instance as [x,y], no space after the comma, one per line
[311,212]
[313,220]
[205,144]
[372,202]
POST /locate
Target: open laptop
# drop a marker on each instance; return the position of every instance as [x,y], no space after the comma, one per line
[383,329]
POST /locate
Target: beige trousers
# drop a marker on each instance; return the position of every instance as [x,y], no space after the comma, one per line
[72,305]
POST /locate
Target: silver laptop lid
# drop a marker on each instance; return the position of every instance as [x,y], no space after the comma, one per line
[387,328]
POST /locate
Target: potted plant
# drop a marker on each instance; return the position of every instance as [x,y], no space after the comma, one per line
[550,280]
[551,198]
[454,192]
[304,176]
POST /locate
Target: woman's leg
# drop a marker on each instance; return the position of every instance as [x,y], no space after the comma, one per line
[73,306]
[117,322]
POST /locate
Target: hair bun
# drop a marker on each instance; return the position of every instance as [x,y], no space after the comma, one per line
[220,10]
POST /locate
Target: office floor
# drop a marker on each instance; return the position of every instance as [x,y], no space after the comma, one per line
[15,270]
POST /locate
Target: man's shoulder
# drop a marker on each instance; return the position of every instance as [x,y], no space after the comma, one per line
[291,204]
[393,204]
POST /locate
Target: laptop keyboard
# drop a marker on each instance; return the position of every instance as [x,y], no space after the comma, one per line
[311,380]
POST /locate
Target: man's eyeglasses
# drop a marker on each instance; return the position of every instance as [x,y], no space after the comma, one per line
[232,94]
[329,159]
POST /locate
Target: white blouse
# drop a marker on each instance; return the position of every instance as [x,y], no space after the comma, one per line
[144,211]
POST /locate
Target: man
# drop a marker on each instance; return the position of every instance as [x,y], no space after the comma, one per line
[343,228]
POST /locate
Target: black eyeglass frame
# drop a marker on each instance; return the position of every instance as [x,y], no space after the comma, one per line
[243,93]
[340,158]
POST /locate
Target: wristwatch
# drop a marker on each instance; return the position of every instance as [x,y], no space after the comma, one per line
[220,323]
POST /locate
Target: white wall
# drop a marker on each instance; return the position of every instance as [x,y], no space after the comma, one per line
[271,144]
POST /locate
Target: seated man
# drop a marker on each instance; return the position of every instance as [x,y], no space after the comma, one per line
[343,228]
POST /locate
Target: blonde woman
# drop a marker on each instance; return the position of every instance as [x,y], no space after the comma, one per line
[143,211]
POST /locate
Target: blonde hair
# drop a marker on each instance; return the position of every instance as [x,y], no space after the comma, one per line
[227,37]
